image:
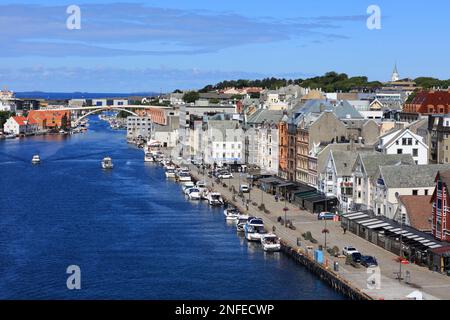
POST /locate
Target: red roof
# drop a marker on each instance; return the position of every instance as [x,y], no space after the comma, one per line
[420,210]
[20,120]
[434,98]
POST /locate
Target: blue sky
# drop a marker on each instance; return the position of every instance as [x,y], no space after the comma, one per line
[135,46]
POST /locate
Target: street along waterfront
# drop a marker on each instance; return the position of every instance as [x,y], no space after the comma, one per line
[130,230]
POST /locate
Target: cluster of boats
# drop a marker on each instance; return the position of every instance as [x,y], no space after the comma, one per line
[253,228]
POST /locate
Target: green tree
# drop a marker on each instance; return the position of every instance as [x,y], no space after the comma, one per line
[191,96]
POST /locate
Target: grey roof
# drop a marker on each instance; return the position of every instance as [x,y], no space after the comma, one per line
[264,115]
[342,109]
[322,157]
[372,162]
[407,176]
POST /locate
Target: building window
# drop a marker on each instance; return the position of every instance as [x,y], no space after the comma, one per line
[415,152]
[415,192]
[426,192]
[399,151]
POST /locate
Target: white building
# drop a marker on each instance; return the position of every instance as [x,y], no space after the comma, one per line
[139,127]
[223,142]
[402,180]
[364,175]
[404,142]
[20,125]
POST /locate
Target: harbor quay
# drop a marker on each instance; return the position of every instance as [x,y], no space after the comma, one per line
[374,283]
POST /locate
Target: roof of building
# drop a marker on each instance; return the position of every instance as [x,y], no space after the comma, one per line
[411,176]
[371,162]
[264,115]
[322,157]
[419,210]
[434,98]
[342,109]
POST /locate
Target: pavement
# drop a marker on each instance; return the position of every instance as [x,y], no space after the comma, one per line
[432,285]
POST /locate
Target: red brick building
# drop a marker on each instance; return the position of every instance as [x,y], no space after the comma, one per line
[440,222]
[429,102]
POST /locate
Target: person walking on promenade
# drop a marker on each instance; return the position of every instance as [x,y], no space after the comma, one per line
[345,229]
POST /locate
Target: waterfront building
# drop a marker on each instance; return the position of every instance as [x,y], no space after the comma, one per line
[364,175]
[20,125]
[223,142]
[335,178]
[50,119]
[262,139]
[7,100]
[396,180]
[139,128]
[404,142]
[167,134]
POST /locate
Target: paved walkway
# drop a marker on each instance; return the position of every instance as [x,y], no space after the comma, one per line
[432,285]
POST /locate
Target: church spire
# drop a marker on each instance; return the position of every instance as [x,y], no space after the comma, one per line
[395,75]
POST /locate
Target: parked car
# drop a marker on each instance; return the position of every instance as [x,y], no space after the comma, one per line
[369,261]
[355,259]
[348,250]
[244,188]
[325,216]
[224,175]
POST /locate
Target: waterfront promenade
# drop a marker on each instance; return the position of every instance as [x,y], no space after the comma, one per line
[432,285]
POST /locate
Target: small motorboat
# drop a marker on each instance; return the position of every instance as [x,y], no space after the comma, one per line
[184,176]
[214,199]
[170,173]
[193,193]
[149,157]
[254,229]
[241,220]
[107,163]
[231,213]
[186,186]
[270,242]
[10,135]
[36,159]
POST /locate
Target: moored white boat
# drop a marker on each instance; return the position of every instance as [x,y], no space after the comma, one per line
[193,193]
[214,199]
[270,242]
[170,173]
[231,213]
[241,220]
[149,157]
[254,229]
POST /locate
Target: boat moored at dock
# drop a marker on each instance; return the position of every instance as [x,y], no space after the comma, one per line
[241,220]
[214,199]
[231,213]
[254,229]
[270,242]
[193,193]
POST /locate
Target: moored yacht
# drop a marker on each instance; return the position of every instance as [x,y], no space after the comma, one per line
[149,157]
[231,213]
[214,199]
[170,173]
[241,220]
[254,229]
[107,163]
[193,193]
[270,242]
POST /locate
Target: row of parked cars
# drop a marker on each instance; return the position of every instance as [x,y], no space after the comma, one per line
[355,258]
